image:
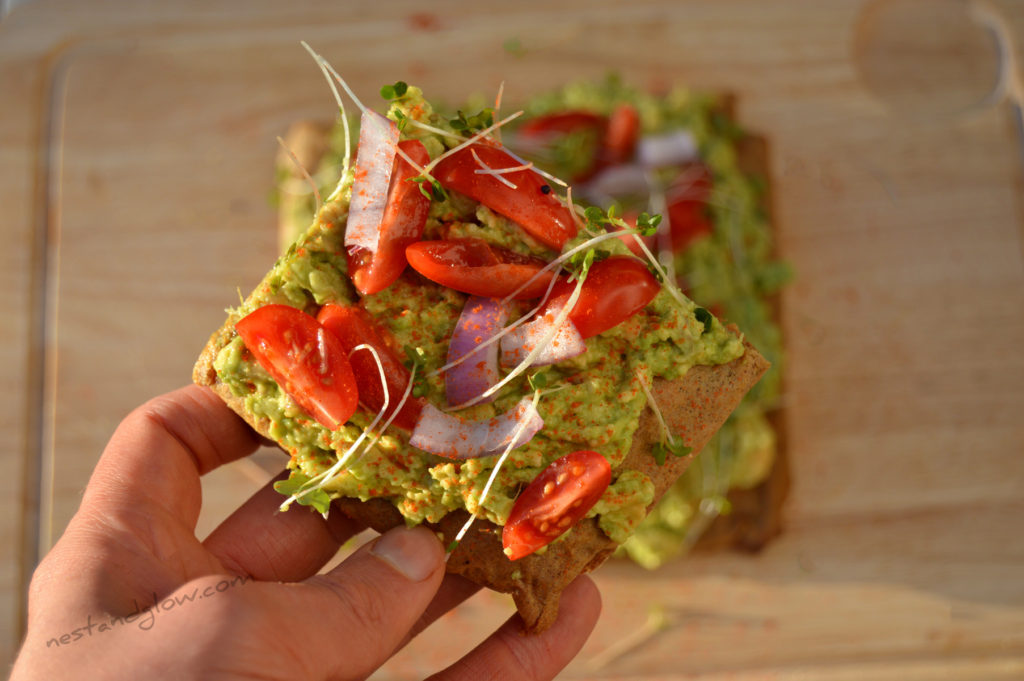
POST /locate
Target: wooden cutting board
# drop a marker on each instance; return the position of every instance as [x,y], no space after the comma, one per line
[136,148]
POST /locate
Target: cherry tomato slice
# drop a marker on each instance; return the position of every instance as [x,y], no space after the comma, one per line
[531,204]
[544,128]
[555,501]
[615,289]
[353,326]
[307,361]
[402,224]
[476,267]
[540,137]
[687,206]
[621,134]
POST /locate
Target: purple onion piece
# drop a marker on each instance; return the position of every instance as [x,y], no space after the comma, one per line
[521,341]
[456,438]
[481,319]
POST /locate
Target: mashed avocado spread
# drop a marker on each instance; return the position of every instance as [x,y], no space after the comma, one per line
[592,401]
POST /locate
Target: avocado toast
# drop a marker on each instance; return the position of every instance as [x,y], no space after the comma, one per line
[641,386]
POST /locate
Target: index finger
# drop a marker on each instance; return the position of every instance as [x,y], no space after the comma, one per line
[153,462]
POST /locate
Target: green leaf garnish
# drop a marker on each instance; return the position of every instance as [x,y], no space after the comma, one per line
[580,262]
[402,121]
[594,215]
[676,448]
[318,499]
[474,123]
[394,91]
[704,317]
[292,485]
[538,381]
[648,224]
[436,191]
[416,354]
[296,486]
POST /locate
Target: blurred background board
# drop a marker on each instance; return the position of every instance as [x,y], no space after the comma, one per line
[136,152]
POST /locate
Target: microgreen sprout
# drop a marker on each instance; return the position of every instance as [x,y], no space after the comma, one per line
[314,486]
[396,91]
[668,444]
[480,135]
[676,448]
[476,122]
[402,120]
[294,486]
[538,380]
[327,70]
[435,192]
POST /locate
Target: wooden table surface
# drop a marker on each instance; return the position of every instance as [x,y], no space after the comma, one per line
[136,146]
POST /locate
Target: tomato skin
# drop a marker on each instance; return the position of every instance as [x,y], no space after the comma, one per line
[307,361]
[621,135]
[555,501]
[615,289]
[402,224]
[354,326]
[687,209]
[541,133]
[479,268]
[561,123]
[537,211]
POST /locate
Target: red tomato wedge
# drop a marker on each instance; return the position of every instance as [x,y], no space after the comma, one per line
[307,361]
[555,501]
[621,135]
[614,136]
[544,128]
[402,224]
[353,326]
[540,135]
[531,203]
[479,268]
[615,289]
[687,206]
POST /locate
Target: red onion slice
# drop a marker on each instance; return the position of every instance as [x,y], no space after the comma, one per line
[450,436]
[375,162]
[481,319]
[522,340]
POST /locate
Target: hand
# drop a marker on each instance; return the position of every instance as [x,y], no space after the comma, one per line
[130,592]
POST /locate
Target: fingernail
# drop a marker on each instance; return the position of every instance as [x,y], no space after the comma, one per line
[414,552]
